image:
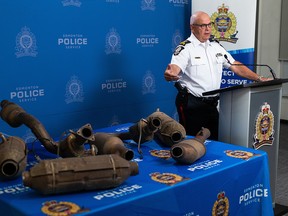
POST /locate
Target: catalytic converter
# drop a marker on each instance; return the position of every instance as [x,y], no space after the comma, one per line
[71,146]
[190,150]
[66,175]
[13,157]
[110,144]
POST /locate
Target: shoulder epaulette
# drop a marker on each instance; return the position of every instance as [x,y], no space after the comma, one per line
[183,43]
[180,47]
[215,40]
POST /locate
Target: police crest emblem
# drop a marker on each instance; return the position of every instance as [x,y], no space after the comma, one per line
[167,178]
[264,127]
[225,23]
[245,155]
[163,154]
[221,205]
[54,208]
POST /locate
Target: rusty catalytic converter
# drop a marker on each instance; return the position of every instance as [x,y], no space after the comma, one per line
[65,175]
[190,150]
[71,146]
[171,131]
[110,144]
[13,157]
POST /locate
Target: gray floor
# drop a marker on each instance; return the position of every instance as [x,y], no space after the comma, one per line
[281,190]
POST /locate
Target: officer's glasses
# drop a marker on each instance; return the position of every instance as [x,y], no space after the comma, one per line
[202,26]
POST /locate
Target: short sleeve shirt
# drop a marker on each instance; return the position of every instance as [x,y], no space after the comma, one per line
[201,64]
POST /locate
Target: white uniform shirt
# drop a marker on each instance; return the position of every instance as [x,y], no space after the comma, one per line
[201,65]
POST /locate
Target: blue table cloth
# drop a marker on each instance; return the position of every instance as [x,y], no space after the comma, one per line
[227,180]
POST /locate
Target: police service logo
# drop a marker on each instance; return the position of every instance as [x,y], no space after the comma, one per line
[13,189]
[72,41]
[114,85]
[224,28]
[54,208]
[264,127]
[148,83]
[113,42]
[75,3]
[176,39]
[148,5]
[25,43]
[27,93]
[163,154]
[221,206]
[166,178]
[239,154]
[179,3]
[113,1]
[74,90]
[147,40]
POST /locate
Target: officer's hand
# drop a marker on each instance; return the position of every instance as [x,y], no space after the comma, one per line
[263,79]
[172,72]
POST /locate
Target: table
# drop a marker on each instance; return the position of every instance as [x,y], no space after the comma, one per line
[227,180]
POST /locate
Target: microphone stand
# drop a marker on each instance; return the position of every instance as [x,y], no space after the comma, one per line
[270,69]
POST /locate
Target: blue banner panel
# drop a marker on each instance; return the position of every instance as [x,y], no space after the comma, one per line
[69,62]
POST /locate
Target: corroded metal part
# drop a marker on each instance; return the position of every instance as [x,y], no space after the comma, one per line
[110,144]
[13,157]
[157,125]
[71,146]
[16,116]
[190,150]
[171,131]
[79,174]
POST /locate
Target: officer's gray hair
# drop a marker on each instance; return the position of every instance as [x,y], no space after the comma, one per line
[195,16]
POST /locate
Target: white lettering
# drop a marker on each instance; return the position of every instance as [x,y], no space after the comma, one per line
[228,73]
[114,85]
[178,1]
[236,82]
[147,40]
[205,165]
[27,93]
[72,41]
[253,194]
[117,192]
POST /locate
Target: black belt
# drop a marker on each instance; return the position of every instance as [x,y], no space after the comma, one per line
[210,100]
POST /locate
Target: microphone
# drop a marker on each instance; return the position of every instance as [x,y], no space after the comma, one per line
[265,65]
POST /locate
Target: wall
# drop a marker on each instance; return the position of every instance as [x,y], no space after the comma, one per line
[72,62]
[268,45]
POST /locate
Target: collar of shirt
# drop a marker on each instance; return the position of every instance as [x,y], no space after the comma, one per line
[196,42]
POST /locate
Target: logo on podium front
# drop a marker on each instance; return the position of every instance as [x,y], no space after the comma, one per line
[264,127]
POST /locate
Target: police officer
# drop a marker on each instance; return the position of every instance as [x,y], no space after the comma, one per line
[196,66]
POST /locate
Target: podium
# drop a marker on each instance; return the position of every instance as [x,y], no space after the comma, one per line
[249,116]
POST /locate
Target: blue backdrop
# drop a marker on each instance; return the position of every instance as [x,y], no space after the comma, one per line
[72,62]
